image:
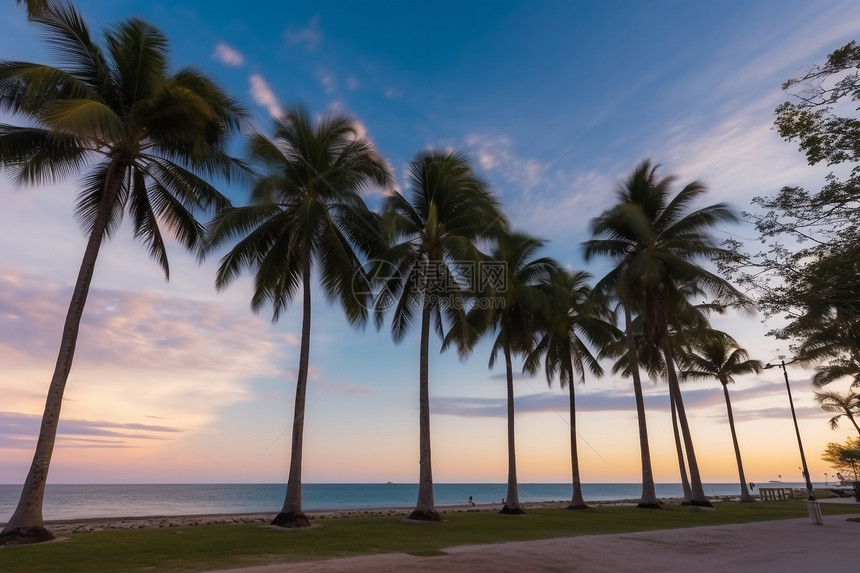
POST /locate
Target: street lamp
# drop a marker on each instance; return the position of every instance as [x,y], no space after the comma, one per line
[796,428]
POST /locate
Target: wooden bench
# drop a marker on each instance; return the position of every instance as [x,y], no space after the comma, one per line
[776,493]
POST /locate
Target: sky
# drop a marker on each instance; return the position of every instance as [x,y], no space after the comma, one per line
[554,102]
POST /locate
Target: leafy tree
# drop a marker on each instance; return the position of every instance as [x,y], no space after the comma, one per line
[434,237]
[307,212]
[844,458]
[847,405]
[718,355]
[565,335]
[140,137]
[809,269]
[655,241]
[515,303]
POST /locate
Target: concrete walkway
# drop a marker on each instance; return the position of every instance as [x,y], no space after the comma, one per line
[770,546]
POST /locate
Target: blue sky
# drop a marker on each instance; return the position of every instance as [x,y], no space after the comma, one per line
[555,102]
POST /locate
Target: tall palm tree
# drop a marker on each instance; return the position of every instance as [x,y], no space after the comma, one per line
[434,236]
[141,138]
[563,346]
[717,355]
[515,302]
[307,212]
[655,242]
[847,405]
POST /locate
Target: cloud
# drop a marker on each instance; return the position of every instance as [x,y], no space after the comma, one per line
[310,36]
[327,81]
[392,93]
[264,96]
[352,83]
[19,431]
[228,55]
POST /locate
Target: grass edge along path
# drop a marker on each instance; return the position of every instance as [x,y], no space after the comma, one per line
[201,548]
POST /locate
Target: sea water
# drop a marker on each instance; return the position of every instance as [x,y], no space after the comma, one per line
[133,500]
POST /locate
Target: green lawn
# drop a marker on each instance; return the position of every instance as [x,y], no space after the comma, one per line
[220,546]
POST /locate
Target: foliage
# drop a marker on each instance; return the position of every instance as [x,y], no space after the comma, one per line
[808,270]
[844,458]
[847,405]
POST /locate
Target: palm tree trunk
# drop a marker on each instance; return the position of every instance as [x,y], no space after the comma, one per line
[576,501]
[745,494]
[425,509]
[682,464]
[698,493]
[27,525]
[291,514]
[649,494]
[853,421]
[512,499]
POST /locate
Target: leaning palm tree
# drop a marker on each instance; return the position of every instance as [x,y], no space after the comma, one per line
[307,212]
[515,301]
[141,139]
[434,236]
[717,355]
[563,346]
[655,242]
[847,405]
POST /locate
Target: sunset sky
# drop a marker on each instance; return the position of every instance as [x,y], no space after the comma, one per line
[555,103]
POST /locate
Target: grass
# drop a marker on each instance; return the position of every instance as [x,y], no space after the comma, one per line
[202,548]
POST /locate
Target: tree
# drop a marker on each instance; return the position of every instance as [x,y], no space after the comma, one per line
[565,335]
[809,270]
[35,8]
[844,458]
[514,302]
[307,212]
[433,238]
[718,355]
[847,405]
[140,136]
[655,242]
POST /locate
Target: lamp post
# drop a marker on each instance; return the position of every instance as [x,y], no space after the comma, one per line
[796,428]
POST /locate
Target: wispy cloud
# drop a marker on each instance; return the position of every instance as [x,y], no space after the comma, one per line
[264,96]
[309,36]
[228,55]
[327,80]
[20,430]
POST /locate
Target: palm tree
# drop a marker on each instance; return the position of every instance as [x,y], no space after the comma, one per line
[307,211]
[514,303]
[717,355]
[35,8]
[564,348]
[142,138]
[847,405]
[433,237]
[655,242]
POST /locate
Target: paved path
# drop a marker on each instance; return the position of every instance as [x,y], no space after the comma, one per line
[772,546]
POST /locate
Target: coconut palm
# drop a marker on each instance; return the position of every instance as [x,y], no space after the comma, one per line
[717,355]
[433,236]
[35,8]
[563,346]
[307,212]
[655,241]
[847,405]
[515,302]
[141,139]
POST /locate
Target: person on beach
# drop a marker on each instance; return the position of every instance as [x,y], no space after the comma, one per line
[471,502]
[752,485]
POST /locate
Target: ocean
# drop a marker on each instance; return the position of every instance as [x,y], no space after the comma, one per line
[138,500]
